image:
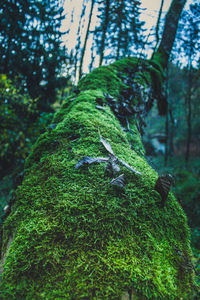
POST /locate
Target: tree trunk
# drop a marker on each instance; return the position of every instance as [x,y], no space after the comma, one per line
[105,26]
[120,30]
[87,222]
[77,47]
[158,25]
[169,32]
[189,115]
[167,137]
[172,130]
[7,58]
[86,39]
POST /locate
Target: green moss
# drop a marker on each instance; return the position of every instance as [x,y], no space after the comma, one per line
[134,138]
[75,235]
[126,63]
[160,58]
[104,78]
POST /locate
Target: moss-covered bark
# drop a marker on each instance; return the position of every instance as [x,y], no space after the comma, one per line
[73,235]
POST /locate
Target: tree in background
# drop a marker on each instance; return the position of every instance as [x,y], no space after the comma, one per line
[31,47]
[78,44]
[30,67]
[20,125]
[104,10]
[185,53]
[183,107]
[86,38]
[120,29]
[190,45]
[158,25]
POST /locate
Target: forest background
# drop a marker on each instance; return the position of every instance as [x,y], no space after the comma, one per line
[40,67]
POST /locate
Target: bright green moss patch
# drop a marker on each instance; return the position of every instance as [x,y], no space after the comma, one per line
[76,236]
[104,78]
[128,62]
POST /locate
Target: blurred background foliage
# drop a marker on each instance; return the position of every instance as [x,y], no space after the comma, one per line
[20,124]
[166,139]
[37,72]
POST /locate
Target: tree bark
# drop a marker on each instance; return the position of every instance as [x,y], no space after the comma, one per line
[7,58]
[87,221]
[105,26]
[120,30]
[189,114]
[170,28]
[86,39]
[77,47]
[158,25]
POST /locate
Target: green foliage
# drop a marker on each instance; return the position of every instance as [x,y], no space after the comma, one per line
[105,78]
[197,265]
[188,190]
[31,47]
[13,111]
[21,124]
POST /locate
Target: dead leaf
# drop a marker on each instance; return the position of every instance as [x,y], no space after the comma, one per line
[106,145]
[109,149]
[163,185]
[88,160]
[99,107]
[119,181]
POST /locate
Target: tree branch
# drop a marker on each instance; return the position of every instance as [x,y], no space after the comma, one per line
[169,32]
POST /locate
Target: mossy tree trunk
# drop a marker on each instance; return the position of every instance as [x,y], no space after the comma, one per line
[73,234]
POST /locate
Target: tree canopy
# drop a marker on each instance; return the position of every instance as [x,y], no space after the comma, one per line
[31,49]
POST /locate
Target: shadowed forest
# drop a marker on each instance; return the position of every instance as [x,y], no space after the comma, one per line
[97,106]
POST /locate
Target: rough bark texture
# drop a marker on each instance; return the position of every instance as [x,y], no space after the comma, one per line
[105,25]
[86,39]
[73,235]
[170,28]
[158,25]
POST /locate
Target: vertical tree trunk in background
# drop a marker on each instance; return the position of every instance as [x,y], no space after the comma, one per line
[164,50]
[120,30]
[6,63]
[87,222]
[172,129]
[167,137]
[189,114]
[86,39]
[105,26]
[170,28]
[167,119]
[77,47]
[158,25]
[92,57]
